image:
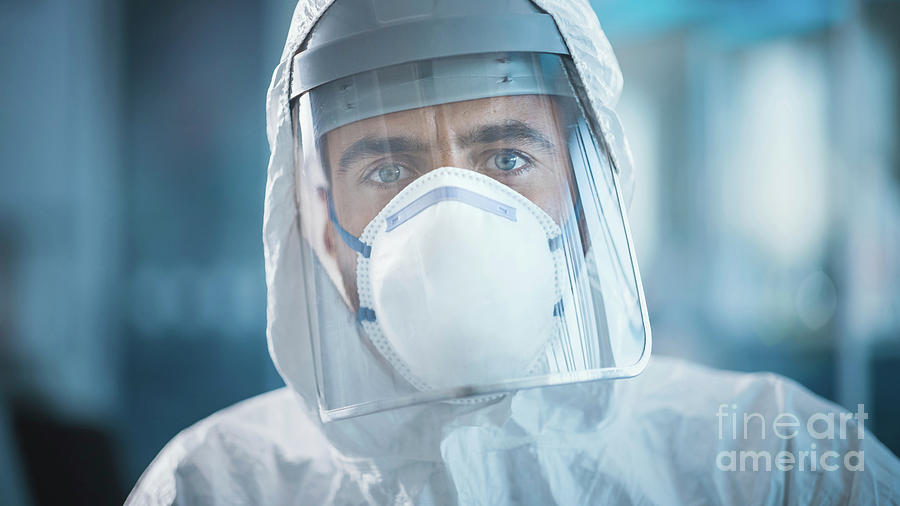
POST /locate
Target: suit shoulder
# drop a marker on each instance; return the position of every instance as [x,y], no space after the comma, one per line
[697,388]
[259,441]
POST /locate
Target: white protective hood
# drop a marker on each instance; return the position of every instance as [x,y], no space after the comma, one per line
[411,433]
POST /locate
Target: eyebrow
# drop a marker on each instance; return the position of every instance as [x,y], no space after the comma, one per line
[512,130]
[377,146]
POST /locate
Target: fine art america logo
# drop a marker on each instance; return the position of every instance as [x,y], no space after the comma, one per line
[800,454]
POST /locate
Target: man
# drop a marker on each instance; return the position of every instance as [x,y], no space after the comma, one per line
[454,300]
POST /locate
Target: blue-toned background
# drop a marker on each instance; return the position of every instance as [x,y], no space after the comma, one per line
[132,143]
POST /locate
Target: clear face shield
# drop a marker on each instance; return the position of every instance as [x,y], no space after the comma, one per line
[463,235]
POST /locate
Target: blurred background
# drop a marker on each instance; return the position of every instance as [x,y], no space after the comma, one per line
[132,293]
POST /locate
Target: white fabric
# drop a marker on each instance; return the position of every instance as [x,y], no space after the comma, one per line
[439,325]
[647,440]
[550,446]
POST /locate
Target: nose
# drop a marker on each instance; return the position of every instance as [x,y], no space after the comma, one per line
[451,157]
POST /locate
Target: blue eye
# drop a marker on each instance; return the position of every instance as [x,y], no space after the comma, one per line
[508,160]
[388,173]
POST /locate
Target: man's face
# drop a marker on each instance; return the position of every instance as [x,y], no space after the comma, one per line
[519,141]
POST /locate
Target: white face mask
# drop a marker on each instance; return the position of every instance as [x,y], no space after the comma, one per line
[459,281]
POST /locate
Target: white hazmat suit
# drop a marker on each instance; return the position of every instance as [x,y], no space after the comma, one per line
[677,433]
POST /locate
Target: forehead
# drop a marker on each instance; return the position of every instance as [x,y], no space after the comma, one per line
[537,111]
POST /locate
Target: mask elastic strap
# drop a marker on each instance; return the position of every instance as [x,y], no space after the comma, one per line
[349,239]
[365,314]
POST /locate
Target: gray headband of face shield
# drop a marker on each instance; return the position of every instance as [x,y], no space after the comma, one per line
[366,58]
[437,81]
[354,36]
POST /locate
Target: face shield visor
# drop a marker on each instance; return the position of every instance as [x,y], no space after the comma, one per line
[463,233]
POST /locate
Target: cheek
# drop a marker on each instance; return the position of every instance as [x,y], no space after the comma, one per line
[357,219]
[551,193]
[552,205]
[358,205]
[346,260]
